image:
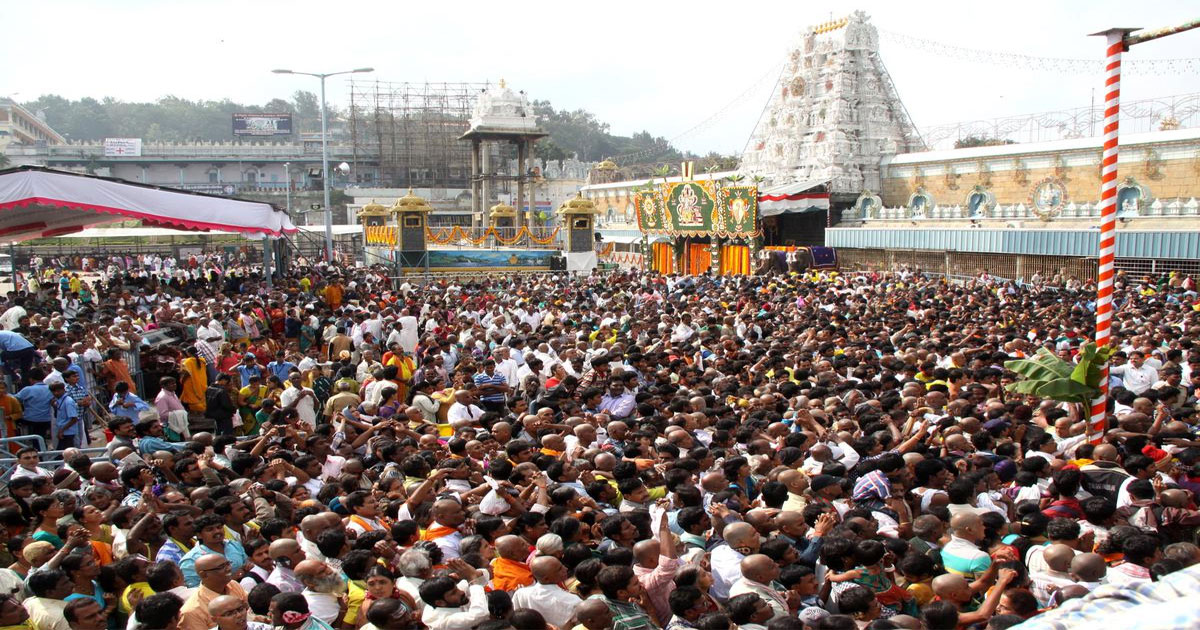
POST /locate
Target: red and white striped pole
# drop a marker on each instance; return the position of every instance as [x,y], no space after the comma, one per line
[1108,218]
[1118,40]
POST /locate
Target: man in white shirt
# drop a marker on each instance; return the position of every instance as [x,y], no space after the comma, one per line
[506,366]
[448,607]
[545,595]
[12,316]
[286,553]
[1136,375]
[410,331]
[322,587]
[741,540]
[683,330]
[50,588]
[448,516]
[302,399]
[463,409]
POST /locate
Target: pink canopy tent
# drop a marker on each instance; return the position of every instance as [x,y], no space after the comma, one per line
[37,202]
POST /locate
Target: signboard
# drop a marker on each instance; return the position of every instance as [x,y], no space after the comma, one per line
[262,124]
[122,147]
[698,209]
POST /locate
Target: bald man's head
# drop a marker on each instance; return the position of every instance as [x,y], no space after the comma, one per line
[103,471]
[548,570]
[224,605]
[512,548]
[1088,567]
[967,526]
[594,614]
[796,481]
[1105,453]
[214,571]
[952,587]
[760,568]
[742,537]
[1058,557]
[645,553]
[286,549]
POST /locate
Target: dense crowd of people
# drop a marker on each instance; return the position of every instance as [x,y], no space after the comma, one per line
[625,451]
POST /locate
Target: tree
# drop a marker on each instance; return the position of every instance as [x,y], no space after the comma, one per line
[980,141]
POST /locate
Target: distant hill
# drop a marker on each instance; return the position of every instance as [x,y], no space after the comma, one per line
[572,133]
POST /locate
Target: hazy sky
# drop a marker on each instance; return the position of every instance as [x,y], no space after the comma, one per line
[660,66]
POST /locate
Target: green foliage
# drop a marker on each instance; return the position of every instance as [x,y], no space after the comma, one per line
[575,133]
[1048,376]
[980,141]
[578,133]
[170,118]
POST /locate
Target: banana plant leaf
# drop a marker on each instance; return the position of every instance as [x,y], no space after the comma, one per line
[1065,389]
[1044,366]
[1090,369]
[1048,376]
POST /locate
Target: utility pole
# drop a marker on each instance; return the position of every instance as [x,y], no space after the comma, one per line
[325,149]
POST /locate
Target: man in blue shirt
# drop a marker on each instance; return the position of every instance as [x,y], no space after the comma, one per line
[150,438]
[126,403]
[280,367]
[248,368]
[36,400]
[16,352]
[210,539]
[492,386]
[66,417]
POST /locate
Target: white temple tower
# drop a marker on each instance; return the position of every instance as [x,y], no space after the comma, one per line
[833,115]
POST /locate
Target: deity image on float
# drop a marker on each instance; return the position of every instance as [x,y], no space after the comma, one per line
[738,209]
[688,210]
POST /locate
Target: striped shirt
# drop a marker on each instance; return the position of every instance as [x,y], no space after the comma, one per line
[964,558]
[496,378]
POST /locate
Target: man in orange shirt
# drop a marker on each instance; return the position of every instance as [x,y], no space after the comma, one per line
[12,412]
[333,294]
[509,571]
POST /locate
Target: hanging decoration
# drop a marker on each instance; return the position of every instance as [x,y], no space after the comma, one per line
[459,234]
[1159,67]
[380,235]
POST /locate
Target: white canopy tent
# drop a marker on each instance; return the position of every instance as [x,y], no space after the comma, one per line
[37,202]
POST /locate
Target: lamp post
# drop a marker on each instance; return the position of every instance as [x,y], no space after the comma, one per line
[325,149]
[287,178]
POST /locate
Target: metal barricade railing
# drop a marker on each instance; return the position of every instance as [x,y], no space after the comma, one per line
[50,460]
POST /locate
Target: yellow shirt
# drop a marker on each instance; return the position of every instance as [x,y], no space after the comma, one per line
[355,593]
[921,592]
[124,606]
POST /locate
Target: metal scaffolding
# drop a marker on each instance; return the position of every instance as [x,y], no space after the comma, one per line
[413,130]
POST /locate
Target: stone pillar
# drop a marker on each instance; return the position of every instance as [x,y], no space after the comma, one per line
[520,218]
[485,165]
[477,207]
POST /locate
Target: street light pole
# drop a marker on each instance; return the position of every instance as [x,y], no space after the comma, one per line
[287,175]
[325,175]
[325,150]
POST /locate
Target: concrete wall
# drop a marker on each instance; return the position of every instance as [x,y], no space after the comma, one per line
[1168,163]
